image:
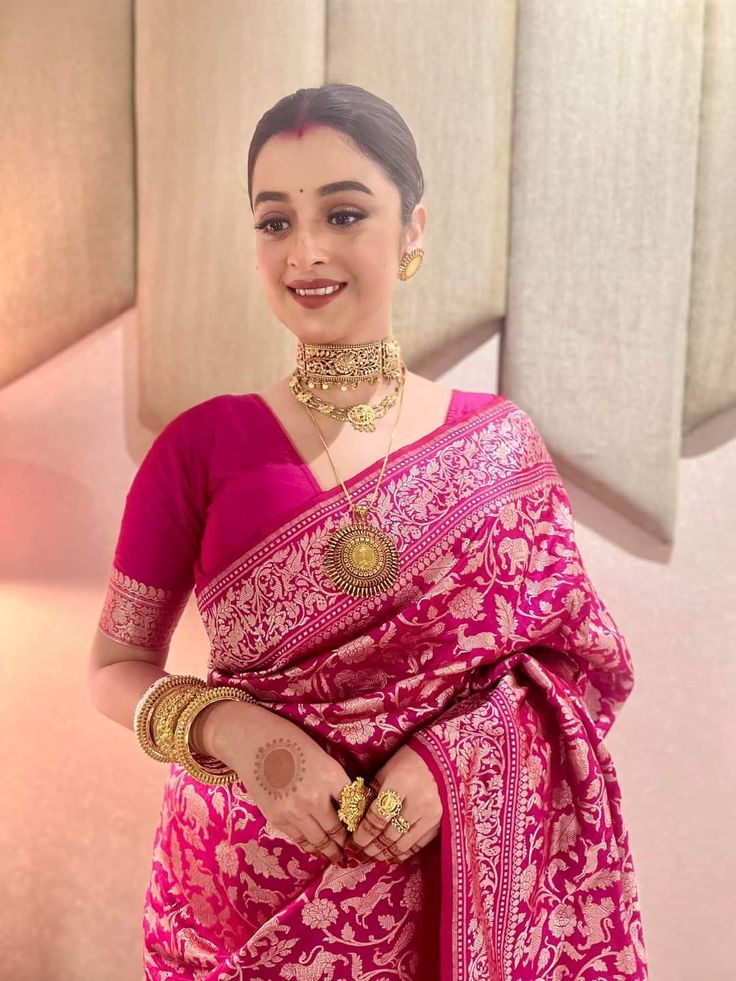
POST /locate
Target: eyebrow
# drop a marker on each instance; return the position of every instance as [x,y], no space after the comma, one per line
[326,189]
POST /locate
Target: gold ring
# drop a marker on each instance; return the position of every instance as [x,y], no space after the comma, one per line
[389,804]
[353,801]
[401,824]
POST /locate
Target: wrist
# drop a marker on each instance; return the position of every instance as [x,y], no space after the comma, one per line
[212,731]
[200,733]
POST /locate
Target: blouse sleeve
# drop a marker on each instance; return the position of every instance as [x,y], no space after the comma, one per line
[159,539]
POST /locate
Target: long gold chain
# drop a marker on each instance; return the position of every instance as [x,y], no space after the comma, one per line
[359,559]
[385,459]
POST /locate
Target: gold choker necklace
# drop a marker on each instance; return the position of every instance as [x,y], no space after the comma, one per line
[325,365]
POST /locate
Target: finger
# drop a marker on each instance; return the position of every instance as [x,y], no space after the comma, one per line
[326,835]
[369,827]
[333,826]
[295,834]
[385,844]
[398,847]
[311,836]
[393,853]
[377,836]
[412,847]
[372,824]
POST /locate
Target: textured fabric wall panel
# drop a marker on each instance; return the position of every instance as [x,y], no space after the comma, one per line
[711,357]
[203,80]
[448,69]
[66,174]
[603,182]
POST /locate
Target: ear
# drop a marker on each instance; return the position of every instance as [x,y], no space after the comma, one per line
[414,232]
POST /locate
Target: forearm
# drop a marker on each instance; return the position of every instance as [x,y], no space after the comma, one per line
[116,689]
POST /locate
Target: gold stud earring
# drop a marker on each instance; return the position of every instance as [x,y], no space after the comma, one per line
[410,263]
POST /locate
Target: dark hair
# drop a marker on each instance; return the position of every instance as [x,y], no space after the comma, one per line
[372,123]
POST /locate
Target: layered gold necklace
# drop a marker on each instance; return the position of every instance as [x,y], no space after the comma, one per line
[361,559]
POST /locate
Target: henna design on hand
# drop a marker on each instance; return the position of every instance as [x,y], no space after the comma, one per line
[279,767]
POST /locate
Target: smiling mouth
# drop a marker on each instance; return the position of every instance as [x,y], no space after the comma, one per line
[340,285]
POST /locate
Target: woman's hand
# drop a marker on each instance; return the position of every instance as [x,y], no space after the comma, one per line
[292,780]
[375,837]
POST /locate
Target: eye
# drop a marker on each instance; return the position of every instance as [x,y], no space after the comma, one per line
[265,226]
[348,214]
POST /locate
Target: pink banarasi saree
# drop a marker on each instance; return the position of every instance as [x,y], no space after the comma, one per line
[493,657]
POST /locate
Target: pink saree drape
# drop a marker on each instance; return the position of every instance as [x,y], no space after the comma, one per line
[493,657]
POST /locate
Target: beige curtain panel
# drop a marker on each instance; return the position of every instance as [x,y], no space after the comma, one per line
[580,191]
[621,319]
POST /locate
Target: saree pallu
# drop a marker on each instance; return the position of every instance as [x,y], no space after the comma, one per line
[492,657]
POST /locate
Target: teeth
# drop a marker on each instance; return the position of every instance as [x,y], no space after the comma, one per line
[322,291]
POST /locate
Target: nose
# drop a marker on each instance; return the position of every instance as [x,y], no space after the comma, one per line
[306,250]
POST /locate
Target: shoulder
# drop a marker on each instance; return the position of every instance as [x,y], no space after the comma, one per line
[217,427]
[506,408]
[467,401]
[191,435]
[522,430]
[509,420]
[201,421]
[518,417]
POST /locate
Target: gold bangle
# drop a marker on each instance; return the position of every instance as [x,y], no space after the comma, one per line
[166,714]
[221,772]
[147,704]
[144,730]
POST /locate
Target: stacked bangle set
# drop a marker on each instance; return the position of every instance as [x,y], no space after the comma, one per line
[163,721]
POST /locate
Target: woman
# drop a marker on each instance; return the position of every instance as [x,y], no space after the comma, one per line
[396,593]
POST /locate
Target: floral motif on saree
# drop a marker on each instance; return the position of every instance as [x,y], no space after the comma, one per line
[494,658]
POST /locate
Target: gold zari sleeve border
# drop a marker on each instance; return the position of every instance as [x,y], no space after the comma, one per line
[139,615]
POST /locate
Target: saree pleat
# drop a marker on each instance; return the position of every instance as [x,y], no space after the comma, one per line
[495,660]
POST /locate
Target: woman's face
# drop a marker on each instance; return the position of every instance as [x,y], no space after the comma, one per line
[348,236]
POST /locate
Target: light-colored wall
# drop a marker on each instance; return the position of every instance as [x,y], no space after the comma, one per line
[81,800]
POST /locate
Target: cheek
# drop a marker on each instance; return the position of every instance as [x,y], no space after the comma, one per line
[367,262]
[270,269]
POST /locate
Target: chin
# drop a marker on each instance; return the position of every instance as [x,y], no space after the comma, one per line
[319,335]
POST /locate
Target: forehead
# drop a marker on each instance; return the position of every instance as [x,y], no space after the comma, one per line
[291,163]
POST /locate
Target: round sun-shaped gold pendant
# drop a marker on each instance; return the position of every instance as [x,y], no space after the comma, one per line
[360,560]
